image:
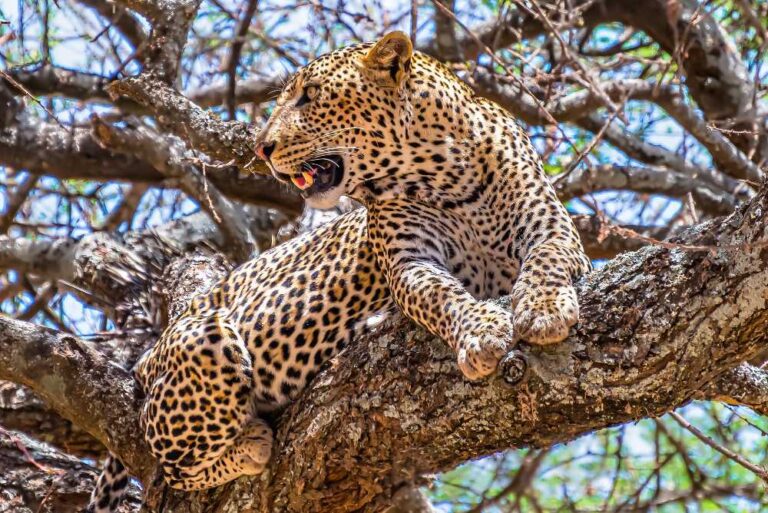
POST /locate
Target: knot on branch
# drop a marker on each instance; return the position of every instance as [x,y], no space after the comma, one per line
[513,368]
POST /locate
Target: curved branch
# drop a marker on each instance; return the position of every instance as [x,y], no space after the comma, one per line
[48,149]
[79,383]
[650,180]
[227,141]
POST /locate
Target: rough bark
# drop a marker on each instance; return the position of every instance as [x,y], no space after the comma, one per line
[38,479]
[21,411]
[78,382]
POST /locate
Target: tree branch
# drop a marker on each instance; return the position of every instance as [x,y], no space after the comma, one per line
[49,80]
[125,22]
[745,385]
[227,141]
[657,326]
[602,243]
[48,149]
[650,180]
[38,478]
[79,383]
[171,158]
[250,90]
[170,21]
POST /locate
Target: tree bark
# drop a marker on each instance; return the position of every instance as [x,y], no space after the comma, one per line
[37,478]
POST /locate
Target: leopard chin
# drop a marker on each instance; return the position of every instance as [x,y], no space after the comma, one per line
[325,200]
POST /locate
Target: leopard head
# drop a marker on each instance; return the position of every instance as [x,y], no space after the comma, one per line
[361,119]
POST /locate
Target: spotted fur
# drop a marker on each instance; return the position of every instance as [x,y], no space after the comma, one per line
[110,487]
[457,210]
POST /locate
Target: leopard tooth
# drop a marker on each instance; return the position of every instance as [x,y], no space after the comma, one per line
[308,177]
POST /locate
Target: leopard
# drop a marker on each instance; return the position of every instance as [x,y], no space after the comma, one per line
[456,210]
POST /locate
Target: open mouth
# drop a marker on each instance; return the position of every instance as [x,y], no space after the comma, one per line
[319,175]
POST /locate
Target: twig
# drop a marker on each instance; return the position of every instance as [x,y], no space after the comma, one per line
[758,471]
[31,96]
[238,41]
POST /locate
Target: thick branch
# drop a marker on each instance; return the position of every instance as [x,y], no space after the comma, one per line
[79,383]
[226,141]
[38,479]
[170,21]
[657,326]
[48,149]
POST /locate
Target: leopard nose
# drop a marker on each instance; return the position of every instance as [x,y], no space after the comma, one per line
[264,150]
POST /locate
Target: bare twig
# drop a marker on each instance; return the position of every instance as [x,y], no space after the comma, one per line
[758,471]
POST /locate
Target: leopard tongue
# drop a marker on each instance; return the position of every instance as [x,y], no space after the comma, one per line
[304,181]
[299,182]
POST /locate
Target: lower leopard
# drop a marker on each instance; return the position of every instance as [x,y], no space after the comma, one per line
[457,210]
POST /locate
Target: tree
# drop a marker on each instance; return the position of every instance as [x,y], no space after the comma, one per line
[131,185]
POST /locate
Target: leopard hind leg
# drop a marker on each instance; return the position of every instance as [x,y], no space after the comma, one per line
[248,455]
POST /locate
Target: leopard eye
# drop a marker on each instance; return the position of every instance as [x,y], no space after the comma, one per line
[307,95]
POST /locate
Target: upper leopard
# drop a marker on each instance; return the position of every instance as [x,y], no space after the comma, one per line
[372,121]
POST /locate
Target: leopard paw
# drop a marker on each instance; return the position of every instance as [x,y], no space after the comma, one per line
[487,335]
[255,447]
[545,316]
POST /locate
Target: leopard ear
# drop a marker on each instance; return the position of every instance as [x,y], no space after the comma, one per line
[389,61]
